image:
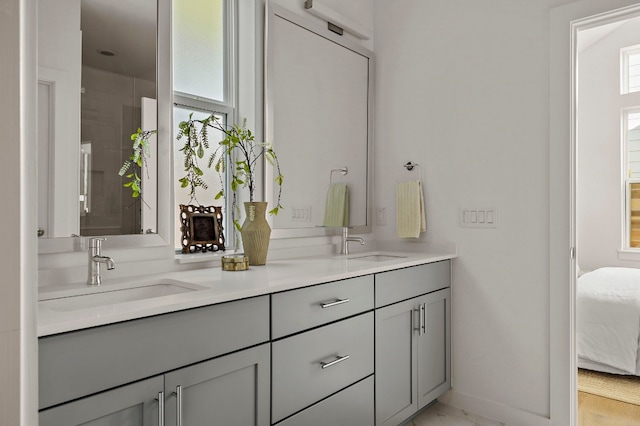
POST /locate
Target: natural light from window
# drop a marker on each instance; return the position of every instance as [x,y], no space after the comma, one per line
[201,84]
[631,119]
[198,48]
[630,70]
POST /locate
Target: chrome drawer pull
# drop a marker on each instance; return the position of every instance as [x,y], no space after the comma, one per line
[160,408]
[334,303]
[334,362]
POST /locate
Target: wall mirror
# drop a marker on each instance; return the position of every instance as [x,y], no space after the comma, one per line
[103,71]
[319,117]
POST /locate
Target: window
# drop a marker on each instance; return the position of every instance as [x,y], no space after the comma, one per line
[630,75]
[201,83]
[199,46]
[633,217]
[631,139]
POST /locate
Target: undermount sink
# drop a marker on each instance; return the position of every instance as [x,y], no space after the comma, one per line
[377,257]
[105,296]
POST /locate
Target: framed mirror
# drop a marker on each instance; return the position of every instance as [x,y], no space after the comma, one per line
[103,72]
[319,118]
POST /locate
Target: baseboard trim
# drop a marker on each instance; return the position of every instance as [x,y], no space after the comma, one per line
[509,416]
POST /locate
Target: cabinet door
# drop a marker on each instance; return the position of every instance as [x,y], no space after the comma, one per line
[226,391]
[396,362]
[131,405]
[434,369]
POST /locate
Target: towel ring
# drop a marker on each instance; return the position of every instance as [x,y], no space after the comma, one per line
[343,171]
[410,165]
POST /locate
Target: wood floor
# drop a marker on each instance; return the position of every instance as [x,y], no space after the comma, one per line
[595,410]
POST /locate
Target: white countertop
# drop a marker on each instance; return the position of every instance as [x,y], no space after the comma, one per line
[218,286]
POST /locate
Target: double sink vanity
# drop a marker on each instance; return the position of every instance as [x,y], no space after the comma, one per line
[335,340]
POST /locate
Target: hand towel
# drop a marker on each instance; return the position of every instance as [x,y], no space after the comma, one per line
[411,219]
[336,211]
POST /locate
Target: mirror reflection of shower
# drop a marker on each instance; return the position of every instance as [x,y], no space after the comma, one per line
[96,67]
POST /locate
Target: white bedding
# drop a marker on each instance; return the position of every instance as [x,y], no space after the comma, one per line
[608,320]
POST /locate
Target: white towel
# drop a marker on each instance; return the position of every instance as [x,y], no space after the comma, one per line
[411,219]
[336,211]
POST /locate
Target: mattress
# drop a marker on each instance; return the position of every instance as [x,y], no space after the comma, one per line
[608,320]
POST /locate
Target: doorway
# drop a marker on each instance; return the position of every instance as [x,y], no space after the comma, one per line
[565,22]
[607,124]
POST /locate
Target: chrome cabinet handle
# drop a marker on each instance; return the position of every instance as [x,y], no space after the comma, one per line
[334,303]
[334,362]
[418,328]
[160,400]
[424,318]
[421,319]
[178,394]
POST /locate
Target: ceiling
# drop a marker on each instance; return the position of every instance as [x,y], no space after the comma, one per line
[126,28]
[591,36]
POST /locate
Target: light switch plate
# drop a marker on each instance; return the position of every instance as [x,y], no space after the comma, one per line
[478,217]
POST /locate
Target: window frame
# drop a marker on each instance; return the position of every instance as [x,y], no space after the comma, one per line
[227,106]
[626,180]
[627,211]
[624,67]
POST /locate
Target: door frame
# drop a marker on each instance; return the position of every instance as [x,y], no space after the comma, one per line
[565,22]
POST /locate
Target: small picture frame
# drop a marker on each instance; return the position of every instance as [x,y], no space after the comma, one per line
[201,228]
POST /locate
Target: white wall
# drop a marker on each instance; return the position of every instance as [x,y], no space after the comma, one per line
[462,89]
[18,351]
[599,194]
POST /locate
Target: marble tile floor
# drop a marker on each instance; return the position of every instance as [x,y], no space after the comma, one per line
[444,415]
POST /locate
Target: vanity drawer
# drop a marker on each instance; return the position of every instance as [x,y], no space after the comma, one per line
[403,284]
[350,407]
[313,365]
[298,310]
[84,362]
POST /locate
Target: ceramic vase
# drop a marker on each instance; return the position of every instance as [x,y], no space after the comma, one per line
[256,232]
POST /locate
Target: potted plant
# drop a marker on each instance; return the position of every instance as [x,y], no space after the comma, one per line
[237,154]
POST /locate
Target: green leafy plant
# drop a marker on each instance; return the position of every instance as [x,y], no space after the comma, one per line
[133,167]
[237,153]
[240,149]
[195,142]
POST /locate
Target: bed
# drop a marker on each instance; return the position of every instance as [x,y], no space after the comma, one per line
[608,320]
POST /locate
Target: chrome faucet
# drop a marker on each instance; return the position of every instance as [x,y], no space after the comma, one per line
[346,238]
[95,259]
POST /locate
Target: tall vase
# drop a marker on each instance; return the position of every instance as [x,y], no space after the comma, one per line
[256,232]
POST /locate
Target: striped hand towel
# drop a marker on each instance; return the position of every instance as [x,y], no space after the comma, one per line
[336,211]
[411,219]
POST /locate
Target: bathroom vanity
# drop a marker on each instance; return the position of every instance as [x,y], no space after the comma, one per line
[342,341]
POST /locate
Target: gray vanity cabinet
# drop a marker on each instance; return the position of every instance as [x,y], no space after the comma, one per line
[367,350]
[412,344]
[216,357]
[132,405]
[226,391]
[322,370]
